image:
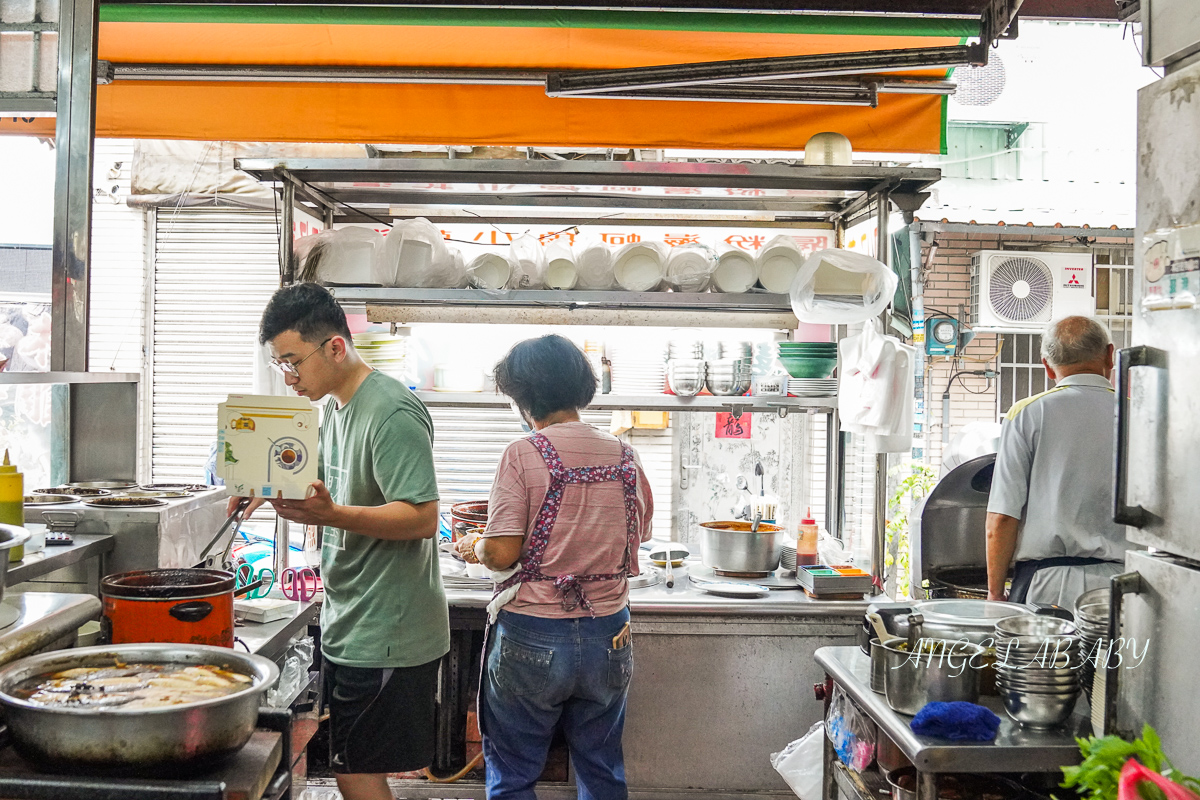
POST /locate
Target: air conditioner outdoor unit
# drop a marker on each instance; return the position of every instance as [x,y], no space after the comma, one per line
[1019,292]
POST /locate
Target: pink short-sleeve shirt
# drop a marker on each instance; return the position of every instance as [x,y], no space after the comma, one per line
[588,537]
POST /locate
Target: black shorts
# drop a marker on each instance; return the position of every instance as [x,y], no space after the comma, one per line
[381,720]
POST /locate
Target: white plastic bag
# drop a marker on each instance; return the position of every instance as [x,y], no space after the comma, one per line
[309,252]
[489,271]
[690,267]
[527,261]
[594,265]
[415,256]
[801,763]
[875,389]
[350,257]
[841,287]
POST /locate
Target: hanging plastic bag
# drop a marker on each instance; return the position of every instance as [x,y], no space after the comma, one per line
[841,287]
[308,253]
[415,256]
[350,257]
[851,732]
[594,264]
[527,261]
[801,763]
[866,365]
[690,267]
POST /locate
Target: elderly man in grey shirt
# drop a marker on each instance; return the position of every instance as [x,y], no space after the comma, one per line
[1051,500]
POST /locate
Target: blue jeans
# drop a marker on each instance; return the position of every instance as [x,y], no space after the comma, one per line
[538,672]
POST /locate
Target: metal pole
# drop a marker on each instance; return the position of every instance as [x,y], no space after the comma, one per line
[287,256]
[879,539]
[75,129]
[918,339]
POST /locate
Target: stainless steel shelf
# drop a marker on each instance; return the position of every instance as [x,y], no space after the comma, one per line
[1015,749]
[649,402]
[69,377]
[556,307]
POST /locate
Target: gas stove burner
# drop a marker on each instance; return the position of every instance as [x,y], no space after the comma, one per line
[724,573]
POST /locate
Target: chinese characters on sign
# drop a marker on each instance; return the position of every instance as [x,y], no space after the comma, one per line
[731,427]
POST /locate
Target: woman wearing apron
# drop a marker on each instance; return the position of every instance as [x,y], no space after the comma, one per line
[569,508]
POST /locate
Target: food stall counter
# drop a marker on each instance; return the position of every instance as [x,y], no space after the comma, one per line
[1015,749]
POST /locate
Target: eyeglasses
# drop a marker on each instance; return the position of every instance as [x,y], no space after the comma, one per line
[289,368]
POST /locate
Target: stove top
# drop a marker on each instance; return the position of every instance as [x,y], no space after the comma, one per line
[258,771]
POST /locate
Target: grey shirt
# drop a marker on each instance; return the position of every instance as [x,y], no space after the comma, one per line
[1054,472]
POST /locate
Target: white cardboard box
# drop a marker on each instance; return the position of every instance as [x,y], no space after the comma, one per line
[267,446]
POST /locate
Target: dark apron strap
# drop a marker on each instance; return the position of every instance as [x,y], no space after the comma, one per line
[1023,572]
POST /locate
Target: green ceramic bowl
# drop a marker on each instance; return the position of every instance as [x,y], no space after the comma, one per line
[806,367]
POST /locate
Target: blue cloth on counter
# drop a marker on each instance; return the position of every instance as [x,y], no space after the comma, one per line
[958,721]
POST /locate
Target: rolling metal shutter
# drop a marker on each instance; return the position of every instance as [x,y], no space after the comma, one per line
[213,273]
[468,443]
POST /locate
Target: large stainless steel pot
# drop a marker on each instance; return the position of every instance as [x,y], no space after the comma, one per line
[10,536]
[146,741]
[972,620]
[913,680]
[729,546]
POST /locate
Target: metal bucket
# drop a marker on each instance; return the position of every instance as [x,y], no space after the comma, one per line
[729,546]
[946,677]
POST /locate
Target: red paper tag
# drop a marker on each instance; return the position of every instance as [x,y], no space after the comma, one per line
[729,427]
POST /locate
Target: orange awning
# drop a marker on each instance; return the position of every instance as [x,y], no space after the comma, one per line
[487,114]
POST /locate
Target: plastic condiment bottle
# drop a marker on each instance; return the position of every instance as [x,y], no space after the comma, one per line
[806,541]
[12,502]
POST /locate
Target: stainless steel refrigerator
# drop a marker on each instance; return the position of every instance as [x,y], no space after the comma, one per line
[1157,474]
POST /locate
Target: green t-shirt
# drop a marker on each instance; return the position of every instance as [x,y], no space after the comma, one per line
[384,604]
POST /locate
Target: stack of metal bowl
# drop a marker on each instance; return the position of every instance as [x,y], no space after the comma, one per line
[1037,669]
[685,376]
[1091,617]
[729,376]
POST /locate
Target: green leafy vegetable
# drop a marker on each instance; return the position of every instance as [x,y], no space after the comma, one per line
[1097,776]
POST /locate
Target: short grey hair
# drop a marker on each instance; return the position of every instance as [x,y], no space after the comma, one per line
[1074,340]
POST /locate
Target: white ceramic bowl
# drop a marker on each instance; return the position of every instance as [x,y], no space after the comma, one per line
[777,268]
[736,272]
[639,267]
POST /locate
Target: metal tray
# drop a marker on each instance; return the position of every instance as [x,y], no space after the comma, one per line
[820,579]
[75,491]
[103,485]
[48,499]
[124,502]
[177,487]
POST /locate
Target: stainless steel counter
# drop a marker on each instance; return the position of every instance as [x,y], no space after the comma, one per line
[53,558]
[46,619]
[719,683]
[1015,749]
[269,639]
[686,599]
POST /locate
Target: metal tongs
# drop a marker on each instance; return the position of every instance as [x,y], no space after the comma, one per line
[234,520]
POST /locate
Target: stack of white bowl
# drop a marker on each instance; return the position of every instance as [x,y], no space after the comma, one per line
[387,353]
[639,369]
[728,376]
[735,350]
[1037,669]
[685,348]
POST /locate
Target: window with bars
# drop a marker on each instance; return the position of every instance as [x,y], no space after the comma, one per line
[1020,364]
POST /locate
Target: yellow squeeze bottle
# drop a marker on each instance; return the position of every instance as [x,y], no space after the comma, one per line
[12,502]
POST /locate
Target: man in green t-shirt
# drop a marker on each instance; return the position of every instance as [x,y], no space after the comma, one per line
[384,620]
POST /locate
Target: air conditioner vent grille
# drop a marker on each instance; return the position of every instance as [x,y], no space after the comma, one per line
[1021,289]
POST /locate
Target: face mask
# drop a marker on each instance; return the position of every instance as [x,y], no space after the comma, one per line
[525,426]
